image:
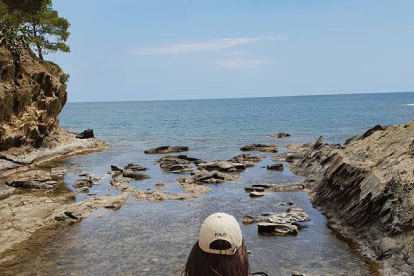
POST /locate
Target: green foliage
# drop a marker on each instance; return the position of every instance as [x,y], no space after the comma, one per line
[48,32]
[35,20]
[12,36]
[57,71]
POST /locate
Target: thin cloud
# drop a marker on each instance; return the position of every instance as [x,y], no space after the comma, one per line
[212,45]
[244,63]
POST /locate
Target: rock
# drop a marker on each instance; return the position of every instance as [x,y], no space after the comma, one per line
[256,194]
[58,171]
[82,183]
[260,147]
[33,180]
[177,164]
[252,219]
[166,149]
[135,175]
[287,203]
[135,168]
[222,166]
[32,94]
[207,177]
[116,169]
[254,189]
[275,167]
[281,135]
[83,189]
[159,185]
[194,190]
[281,187]
[365,188]
[86,134]
[277,229]
[247,159]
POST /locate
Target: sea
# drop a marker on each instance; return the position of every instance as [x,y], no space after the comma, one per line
[144,238]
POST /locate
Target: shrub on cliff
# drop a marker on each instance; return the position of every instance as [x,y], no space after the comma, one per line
[36,22]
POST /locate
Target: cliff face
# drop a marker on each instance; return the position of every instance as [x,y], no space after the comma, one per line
[32,94]
[366,189]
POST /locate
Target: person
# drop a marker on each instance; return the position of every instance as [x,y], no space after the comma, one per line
[220,249]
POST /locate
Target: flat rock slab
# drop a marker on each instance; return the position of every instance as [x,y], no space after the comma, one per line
[256,194]
[166,149]
[260,147]
[275,167]
[277,229]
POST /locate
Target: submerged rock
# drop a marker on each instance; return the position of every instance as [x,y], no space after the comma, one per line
[86,134]
[280,135]
[166,149]
[275,167]
[260,147]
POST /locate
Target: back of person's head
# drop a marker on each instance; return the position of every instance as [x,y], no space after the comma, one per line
[220,250]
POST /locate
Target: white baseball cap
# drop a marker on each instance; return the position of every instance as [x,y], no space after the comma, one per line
[220,226]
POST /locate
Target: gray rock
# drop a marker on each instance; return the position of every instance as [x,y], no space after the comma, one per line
[166,149]
[275,167]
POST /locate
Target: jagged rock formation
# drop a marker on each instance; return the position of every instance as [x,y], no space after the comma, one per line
[366,189]
[32,94]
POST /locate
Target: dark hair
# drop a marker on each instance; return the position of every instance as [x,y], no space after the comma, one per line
[201,263]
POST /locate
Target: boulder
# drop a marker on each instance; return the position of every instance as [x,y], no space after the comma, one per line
[86,134]
[260,147]
[275,167]
[166,149]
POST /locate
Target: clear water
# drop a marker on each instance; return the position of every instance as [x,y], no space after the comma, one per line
[155,238]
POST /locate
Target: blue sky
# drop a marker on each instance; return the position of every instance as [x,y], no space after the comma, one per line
[160,50]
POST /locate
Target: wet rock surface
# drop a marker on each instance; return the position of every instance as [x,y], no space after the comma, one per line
[280,135]
[222,166]
[178,164]
[275,167]
[86,134]
[208,177]
[166,149]
[260,147]
[365,188]
[283,224]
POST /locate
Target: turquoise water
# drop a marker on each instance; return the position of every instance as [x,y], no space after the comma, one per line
[154,239]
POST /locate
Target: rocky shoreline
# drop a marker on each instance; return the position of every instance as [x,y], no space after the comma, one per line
[365,189]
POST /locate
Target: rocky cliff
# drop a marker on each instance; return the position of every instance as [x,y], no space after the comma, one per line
[366,190]
[32,94]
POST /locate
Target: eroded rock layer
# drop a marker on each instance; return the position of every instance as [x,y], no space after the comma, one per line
[32,94]
[366,189]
